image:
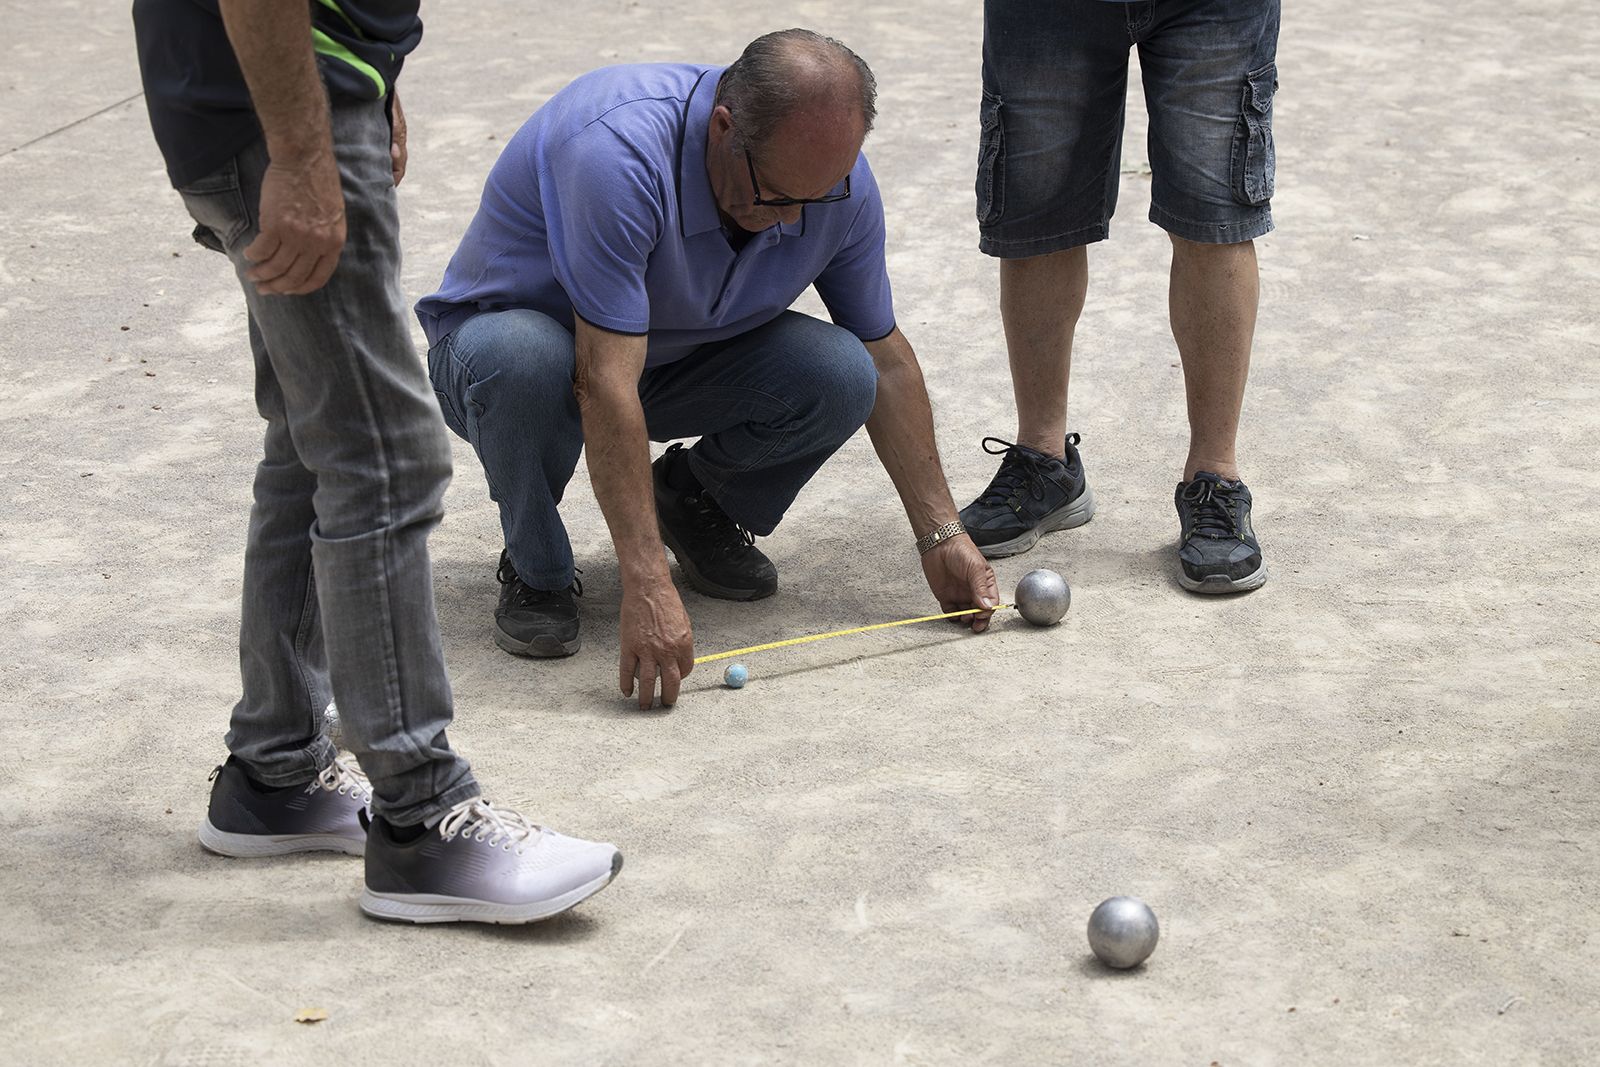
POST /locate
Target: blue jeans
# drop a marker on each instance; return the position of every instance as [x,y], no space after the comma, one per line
[338,591]
[770,406]
[1055,79]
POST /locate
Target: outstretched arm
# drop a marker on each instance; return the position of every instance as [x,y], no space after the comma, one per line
[901,428]
[654,630]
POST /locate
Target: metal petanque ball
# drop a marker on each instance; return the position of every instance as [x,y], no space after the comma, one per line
[735,676]
[1043,596]
[1123,932]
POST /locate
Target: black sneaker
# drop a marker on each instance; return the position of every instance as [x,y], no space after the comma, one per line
[1218,551]
[718,556]
[1031,495]
[535,622]
[327,814]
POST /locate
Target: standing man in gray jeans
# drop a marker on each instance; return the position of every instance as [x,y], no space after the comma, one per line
[1055,78]
[282,132]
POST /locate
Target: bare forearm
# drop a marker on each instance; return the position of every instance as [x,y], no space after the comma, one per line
[901,428]
[272,41]
[617,446]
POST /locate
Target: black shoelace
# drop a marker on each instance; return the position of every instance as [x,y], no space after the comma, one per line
[525,596]
[1020,470]
[718,532]
[1212,509]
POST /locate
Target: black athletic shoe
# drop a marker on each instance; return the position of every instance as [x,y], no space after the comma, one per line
[1218,551]
[535,622]
[718,556]
[1031,495]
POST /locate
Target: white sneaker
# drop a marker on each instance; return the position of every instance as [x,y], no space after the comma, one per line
[482,864]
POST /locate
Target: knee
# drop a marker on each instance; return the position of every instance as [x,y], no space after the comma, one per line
[361,490]
[848,384]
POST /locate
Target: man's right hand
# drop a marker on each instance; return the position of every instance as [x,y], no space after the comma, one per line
[302,226]
[656,642]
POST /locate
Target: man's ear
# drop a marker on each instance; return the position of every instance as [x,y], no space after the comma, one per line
[721,127]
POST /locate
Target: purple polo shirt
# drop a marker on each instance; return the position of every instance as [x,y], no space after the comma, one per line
[600,204]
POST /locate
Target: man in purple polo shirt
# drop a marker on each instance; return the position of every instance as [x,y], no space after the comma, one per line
[627,278]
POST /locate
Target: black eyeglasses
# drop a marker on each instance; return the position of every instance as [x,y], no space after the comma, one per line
[791,201]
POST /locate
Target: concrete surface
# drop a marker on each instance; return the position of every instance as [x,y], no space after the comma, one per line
[1363,800]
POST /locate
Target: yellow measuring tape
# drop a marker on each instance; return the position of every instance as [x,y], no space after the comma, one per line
[843,633]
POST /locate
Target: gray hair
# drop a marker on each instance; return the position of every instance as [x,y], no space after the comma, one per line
[782,70]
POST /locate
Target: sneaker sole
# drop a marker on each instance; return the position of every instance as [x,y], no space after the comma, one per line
[252,846]
[1074,513]
[436,908]
[1220,583]
[544,646]
[700,583]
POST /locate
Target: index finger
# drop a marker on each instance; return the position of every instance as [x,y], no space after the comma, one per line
[263,247]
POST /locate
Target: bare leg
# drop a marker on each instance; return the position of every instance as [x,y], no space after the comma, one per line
[1212,301]
[1040,301]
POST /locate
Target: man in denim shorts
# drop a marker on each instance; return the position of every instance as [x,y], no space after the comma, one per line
[1054,84]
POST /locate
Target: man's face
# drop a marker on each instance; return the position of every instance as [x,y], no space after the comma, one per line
[807,156]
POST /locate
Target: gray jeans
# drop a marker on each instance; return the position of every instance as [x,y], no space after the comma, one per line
[337,583]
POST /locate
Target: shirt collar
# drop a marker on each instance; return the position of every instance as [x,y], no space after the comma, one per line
[697,207]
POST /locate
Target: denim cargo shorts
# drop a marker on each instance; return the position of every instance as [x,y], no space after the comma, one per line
[1055,76]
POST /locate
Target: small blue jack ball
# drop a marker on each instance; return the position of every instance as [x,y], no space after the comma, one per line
[735,676]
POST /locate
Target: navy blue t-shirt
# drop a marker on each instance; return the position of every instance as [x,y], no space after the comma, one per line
[199,104]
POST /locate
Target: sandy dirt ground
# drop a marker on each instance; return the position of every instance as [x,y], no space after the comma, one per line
[1363,800]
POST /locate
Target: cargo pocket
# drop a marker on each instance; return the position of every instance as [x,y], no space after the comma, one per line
[1254,158]
[991,161]
[216,203]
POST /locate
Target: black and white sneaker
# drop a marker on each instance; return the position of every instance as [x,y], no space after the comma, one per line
[328,814]
[1031,495]
[481,864]
[1217,551]
[718,556]
[535,622]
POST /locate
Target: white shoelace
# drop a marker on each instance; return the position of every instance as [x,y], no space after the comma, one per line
[482,821]
[343,777]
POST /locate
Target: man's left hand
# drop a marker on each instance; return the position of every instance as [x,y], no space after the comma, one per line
[397,143]
[961,578]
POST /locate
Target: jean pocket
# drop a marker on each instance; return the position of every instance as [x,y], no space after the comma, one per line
[991,160]
[444,376]
[216,203]
[1254,156]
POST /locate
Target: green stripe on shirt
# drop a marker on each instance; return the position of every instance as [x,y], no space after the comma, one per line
[327,46]
[331,5]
